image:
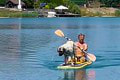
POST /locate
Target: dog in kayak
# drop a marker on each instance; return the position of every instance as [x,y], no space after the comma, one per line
[67,50]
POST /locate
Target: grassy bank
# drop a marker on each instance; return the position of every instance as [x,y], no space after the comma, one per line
[100,12]
[17,14]
[84,12]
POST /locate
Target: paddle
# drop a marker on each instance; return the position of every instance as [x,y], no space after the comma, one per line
[61,34]
[90,56]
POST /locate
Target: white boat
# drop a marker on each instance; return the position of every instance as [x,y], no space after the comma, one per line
[51,14]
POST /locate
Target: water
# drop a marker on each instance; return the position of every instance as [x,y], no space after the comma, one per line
[28,48]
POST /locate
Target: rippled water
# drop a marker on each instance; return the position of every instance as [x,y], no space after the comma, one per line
[28,48]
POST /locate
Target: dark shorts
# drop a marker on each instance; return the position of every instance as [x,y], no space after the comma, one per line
[78,58]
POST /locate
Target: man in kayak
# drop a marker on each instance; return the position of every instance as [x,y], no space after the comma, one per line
[81,46]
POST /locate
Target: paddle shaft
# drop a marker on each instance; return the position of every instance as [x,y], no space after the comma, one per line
[67,38]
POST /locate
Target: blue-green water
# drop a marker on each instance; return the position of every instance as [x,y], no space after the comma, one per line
[28,48]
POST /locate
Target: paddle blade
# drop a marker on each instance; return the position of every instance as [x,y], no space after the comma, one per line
[91,57]
[59,33]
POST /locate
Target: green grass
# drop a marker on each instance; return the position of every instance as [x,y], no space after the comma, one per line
[17,14]
[117,13]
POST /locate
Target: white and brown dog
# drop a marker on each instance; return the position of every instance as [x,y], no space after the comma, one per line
[67,50]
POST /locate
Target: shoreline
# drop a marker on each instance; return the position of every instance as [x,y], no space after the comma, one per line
[4,17]
[65,17]
[85,12]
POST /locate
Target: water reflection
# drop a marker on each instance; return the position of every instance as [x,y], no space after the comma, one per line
[27,47]
[10,23]
[82,74]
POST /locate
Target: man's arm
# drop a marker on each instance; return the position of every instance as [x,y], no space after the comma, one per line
[85,47]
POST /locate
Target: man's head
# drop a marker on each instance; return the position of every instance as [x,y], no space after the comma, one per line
[81,38]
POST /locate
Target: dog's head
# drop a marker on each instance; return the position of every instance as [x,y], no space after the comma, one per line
[66,49]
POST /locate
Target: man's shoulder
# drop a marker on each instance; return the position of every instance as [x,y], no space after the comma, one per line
[85,44]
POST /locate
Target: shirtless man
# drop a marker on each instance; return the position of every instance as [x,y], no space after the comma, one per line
[81,46]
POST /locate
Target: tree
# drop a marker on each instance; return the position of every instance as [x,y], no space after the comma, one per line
[2,2]
[29,3]
[79,2]
[110,3]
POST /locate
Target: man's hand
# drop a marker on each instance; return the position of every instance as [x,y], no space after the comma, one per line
[82,50]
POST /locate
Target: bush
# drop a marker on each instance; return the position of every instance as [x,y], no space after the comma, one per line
[51,5]
[98,14]
[117,13]
[17,15]
[33,14]
[74,8]
[4,13]
[36,5]
[47,7]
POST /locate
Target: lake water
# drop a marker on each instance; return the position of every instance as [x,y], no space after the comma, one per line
[28,48]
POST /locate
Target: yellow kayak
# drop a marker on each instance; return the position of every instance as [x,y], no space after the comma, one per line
[77,66]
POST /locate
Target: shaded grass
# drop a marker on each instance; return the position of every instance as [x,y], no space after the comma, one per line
[17,14]
[117,13]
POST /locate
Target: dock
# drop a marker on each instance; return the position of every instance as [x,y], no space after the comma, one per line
[67,15]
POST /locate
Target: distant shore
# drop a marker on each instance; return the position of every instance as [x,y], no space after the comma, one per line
[85,12]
